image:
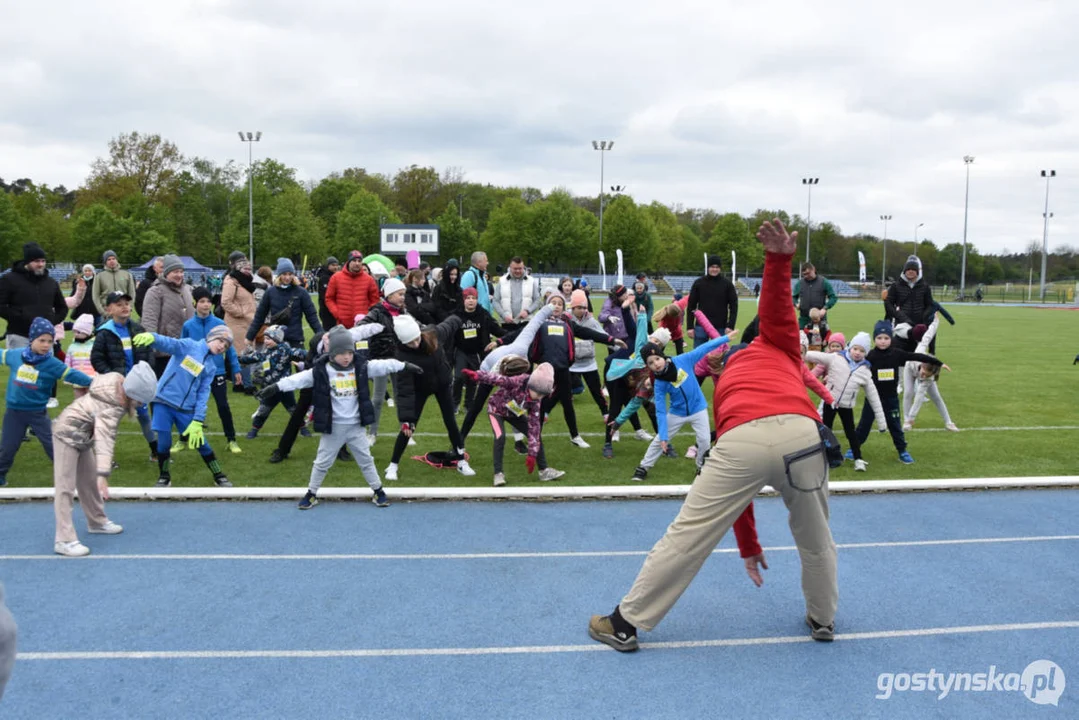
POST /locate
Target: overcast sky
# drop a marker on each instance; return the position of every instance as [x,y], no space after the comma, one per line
[710,104]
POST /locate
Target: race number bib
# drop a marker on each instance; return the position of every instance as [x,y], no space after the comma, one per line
[886,375]
[83,354]
[265,366]
[556,330]
[514,407]
[344,385]
[192,366]
[27,374]
[126,342]
[361,344]
[680,378]
[470,333]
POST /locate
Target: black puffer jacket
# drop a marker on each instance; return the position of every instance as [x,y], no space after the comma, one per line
[86,307]
[717,298]
[25,296]
[418,304]
[908,303]
[107,353]
[446,296]
[437,370]
[140,292]
[383,345]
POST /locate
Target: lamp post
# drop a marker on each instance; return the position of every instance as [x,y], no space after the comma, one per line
[603,146]
[250,138]
[915,251]
[809,183]
[968,160]
[1047,174]
[617,189]
[884,250]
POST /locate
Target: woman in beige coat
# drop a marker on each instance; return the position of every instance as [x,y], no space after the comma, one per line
[167,306]
[84,437]
[238,302]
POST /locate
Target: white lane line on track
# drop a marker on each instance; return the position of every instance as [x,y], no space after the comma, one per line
[532,649]
[532,555]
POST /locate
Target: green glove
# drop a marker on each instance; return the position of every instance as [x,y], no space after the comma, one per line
[143,339]
[195,438]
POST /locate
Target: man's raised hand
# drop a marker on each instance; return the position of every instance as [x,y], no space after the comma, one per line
[775,238]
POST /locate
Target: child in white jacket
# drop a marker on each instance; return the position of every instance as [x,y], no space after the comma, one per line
[920,380]
[847,372]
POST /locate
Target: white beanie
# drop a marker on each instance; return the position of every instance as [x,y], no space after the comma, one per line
[141,383]
[406,327]
[391,286]
[661,336]
[861,340]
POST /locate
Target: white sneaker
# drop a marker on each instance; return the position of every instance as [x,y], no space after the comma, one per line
[644,435]
[109,528]
[390,402]
[691,452]
[53,403]
[71,549]
[860,465]
[518,437]
[952,427]
[371,438]
[465,469]
[550,474]
[907,426]
[391,472]
[616,436]
[579,441]
[411,441]
[500,479]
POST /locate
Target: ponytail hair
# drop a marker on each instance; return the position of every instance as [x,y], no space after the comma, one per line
[671,311]
[513,365]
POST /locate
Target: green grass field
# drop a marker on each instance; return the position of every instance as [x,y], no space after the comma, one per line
[1013,392]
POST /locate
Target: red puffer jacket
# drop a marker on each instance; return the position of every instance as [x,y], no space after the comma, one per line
[350,295]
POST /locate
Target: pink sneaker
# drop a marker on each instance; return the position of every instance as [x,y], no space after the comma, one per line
[692,452]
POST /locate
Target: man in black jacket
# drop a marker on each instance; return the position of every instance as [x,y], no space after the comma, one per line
[28,292]
[324,275]
[715,296]
[910,300]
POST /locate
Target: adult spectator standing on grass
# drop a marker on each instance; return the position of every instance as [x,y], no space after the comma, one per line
[27,292]
[517,296]
[87,306]
[167,306]
[111,279]
[325,274]
[767,436]
[910,301]
[476,276]
[239,304]
[286,294]
[813,292]
[148,279]
[715,296]
[351,292]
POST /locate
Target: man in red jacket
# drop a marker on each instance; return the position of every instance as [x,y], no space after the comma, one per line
[767,435]
[351,291]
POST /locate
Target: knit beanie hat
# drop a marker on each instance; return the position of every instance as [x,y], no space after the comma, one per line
[171,262]
[391,286]
[108,254]
[275,333]
[837,337]
[452,262]
[912,264]
[32,251]
[578,298]
[661,337]
[470,292]
[340,341]
[331,260]
[220,332]
[883,327]
[284,265]
[919,332]
[618,292]
[715,260]
[40,326]
[406,327]
[201,293]
[141,383]
[84,324]
[649,349]
[861,340]
[235,257]
[542,379]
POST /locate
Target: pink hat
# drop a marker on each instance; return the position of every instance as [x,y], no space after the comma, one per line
[578,298]
[542,379]
[837,337]
[356,320]
[84,324]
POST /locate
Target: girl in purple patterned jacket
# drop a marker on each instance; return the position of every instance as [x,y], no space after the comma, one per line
[517,401]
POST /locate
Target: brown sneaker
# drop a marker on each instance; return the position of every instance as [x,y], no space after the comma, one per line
[601,629]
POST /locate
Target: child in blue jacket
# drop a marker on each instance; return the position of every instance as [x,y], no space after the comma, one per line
[197,328]
[34,374]
[273,364]
[182,395]
[675,381]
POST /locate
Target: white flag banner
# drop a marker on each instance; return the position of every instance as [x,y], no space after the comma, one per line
[603,269]
[861,267]
[621,271]
[706,263]
[734,266]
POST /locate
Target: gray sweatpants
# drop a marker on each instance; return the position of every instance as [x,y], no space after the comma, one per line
[701,428]
[768,451]
[329,445]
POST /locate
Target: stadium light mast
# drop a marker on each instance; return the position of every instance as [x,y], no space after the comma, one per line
[603,146]
[968,160]
[884,250]
[250,138]
[1047,174]
[809,183]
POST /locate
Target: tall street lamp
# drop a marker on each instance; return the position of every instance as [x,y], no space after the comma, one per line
[1047,174]
[968,160]
[809,183]
[250,138]
[884,249]
[603,146]
[919,225]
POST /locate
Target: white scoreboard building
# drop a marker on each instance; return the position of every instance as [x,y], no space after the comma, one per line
[399,239]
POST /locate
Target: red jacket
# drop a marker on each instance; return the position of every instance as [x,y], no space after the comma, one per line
[674,325]
[349,295]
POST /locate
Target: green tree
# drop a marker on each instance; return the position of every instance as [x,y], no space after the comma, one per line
[731,233]
[627,228]
[418,193]
[194,223]
[358,225]
[275,176]
[563,235]
[291,228]
[376,183]
[456,236]
[329,198]
[14,231]
[691,259]
[145,164]
[52,231]
[508,232]
[148,244]
[96,229]
[670,237]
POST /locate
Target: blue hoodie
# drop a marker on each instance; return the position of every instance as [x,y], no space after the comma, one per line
[29,387]
[185,386]
[685,394]
[196,329]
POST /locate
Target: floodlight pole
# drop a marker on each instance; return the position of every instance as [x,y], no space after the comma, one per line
[884,249]
[603,146]
[250,138]
[968,160]
[809,183]
[1047,174]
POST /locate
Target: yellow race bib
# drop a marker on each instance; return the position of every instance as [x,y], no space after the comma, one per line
[514,407]
[191,365]
[556,330]
[470,333]
[361,344]
[126,342]
[83,354]
[27,374]
[886,375]
[265,366]
[344,384]
[680,378]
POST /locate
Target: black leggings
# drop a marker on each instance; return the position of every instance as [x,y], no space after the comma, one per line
[591,379]
[520,424]
[479,405]
[620,397]
[463,361]
[563,393]
[444,396]
[679,345]
[287,399]
[846,416]
[220,390]
[295,422]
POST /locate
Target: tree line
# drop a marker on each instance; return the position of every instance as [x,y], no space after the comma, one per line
[145,198]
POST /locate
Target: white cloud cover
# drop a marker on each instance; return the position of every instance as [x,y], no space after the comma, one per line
[711,104]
